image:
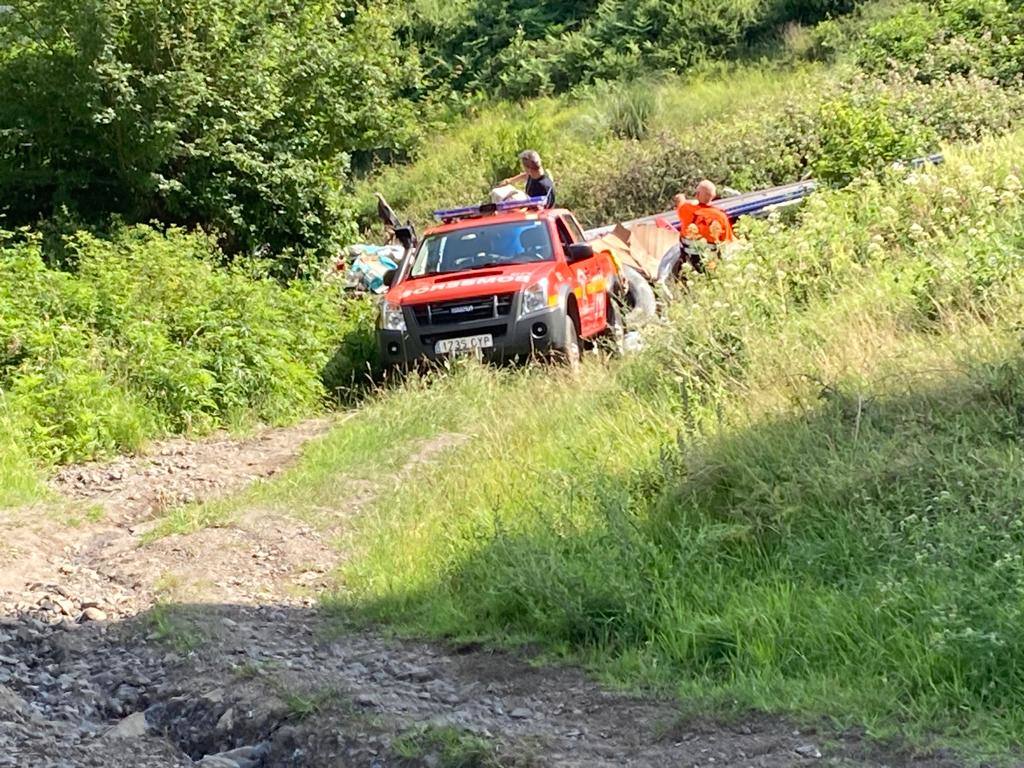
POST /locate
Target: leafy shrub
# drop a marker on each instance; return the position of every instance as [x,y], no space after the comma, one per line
[520,49]
[210,112]
[949,37]
[151,335]
[859,132]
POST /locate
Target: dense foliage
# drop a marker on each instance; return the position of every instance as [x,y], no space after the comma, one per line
[948,37]
[518,48]
[247,119]
[241,116]
[150,335]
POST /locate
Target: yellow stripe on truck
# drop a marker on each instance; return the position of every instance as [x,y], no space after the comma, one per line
[595,286]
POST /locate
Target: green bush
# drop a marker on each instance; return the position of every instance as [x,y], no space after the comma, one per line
[214,112]
[949,37]
[151,335]
[519,49]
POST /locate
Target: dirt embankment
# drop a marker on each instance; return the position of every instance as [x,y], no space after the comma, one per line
[210,649]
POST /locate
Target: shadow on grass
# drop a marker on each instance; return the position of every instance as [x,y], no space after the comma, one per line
[354,369]
[860,559]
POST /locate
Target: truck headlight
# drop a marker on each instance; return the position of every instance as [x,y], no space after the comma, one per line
[535,298]
[391,317]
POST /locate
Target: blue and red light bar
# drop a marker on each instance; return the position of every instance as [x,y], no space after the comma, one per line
[475,211]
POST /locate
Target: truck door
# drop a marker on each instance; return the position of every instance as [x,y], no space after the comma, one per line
[590,296]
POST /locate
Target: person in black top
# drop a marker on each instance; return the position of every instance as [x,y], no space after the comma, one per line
[538,183]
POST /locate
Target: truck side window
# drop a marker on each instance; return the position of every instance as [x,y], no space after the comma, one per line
[574,229]
[563,233]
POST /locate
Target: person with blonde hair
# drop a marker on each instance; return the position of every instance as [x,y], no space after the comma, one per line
[538,182]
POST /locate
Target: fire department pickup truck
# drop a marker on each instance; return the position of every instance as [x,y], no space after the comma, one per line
[502,280]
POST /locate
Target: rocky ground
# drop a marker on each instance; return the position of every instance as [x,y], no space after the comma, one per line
[210,649]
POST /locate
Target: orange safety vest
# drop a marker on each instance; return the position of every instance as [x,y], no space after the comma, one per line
[704,218]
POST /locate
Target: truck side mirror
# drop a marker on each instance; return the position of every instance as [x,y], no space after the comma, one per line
[579,252]
[389,277]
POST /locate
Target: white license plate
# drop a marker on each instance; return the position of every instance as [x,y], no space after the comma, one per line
[465,344]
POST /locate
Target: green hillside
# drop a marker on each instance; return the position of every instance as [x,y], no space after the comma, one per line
[802,496]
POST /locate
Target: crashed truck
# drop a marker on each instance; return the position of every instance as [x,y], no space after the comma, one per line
[513,279]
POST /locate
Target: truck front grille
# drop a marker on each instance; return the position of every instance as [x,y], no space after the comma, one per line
[463,310]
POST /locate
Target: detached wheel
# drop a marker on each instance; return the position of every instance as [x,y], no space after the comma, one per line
[569,352]
[639,298]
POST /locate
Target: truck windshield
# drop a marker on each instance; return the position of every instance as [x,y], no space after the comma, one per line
[489,245]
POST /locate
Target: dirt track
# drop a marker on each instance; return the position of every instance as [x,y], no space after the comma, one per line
[117,652]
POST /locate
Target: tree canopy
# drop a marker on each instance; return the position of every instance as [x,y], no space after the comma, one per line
[240,115]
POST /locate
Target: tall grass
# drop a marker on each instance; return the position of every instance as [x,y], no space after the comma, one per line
[629,107]
[19,479]
[803,496]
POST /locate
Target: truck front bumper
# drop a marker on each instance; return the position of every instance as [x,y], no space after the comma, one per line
[535,333]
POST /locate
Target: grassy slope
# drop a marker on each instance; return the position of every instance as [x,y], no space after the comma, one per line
[901,78]
[803,496]
[473,155]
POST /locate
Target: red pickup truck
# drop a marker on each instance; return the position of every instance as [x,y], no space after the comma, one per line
[505,281]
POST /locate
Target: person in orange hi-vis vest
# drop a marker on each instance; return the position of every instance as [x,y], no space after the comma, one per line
[702,221]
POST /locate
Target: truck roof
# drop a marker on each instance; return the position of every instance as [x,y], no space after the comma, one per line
[493,213]
[496,218]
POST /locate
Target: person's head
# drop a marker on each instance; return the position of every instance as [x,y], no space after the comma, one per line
[705,192]
[531,163]
[678,199]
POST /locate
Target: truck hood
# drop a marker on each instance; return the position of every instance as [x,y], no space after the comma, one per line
[468,283]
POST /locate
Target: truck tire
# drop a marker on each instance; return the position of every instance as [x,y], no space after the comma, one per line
[569,353]
[612,340]
[640,301]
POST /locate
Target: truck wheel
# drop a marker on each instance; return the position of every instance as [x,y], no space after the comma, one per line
[569,353]
[613,337]
[639,298]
